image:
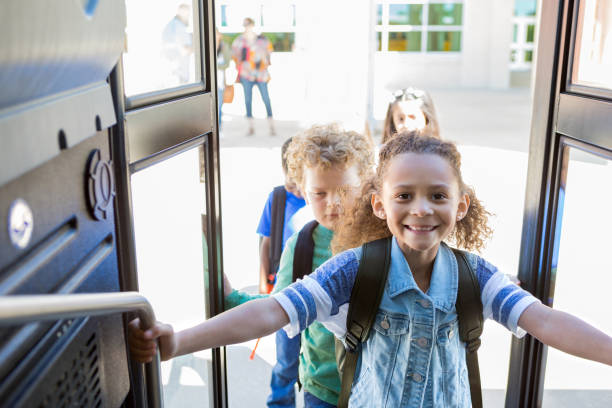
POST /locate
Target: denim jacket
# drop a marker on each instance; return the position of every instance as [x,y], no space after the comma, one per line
[413,356]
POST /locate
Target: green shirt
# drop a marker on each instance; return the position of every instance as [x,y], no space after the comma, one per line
[318,370]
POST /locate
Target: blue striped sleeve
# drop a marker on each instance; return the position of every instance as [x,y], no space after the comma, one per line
[319,295]
[337,276]
[502,300]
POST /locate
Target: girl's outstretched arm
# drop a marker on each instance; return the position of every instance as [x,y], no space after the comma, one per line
[567,333]
[251,320]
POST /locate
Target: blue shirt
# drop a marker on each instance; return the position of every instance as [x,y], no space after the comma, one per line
[413,356]
[290,226]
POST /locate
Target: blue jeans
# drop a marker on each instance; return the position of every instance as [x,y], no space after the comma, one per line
[310,401]
[248,96]
[285,371]
[219,104]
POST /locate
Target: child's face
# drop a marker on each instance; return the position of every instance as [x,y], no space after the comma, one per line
[407,115]
[291,187]
[420,200]
[323,190]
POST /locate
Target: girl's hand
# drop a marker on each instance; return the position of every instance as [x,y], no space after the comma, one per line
[143,343]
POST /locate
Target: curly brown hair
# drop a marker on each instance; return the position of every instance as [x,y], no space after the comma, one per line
[360,225]
[326,146]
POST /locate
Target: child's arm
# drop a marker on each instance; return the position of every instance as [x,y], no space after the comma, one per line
[264,264]
[284,276]
[566,333]
[249,321]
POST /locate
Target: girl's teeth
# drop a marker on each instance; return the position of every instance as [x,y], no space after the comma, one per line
[421,228]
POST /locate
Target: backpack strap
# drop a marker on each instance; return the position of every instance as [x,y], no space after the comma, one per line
[304,251]
[363,305]
[279,198]
[469,314]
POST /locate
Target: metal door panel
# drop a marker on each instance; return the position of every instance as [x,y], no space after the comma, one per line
[157,128]
[557,112]
[69,252]
[587,119]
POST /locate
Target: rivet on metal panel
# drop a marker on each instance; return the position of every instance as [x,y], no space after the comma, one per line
[20,223]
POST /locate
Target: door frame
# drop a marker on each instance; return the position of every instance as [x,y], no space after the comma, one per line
[154,127]
[563,114]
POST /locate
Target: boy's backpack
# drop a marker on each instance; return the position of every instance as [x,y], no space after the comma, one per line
[304,251]
[364,302]
[302,256]
[277,225]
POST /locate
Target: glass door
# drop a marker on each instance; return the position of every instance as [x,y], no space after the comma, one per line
[564,251]
[166,150]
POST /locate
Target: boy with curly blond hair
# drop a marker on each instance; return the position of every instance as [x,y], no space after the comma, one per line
[328,164]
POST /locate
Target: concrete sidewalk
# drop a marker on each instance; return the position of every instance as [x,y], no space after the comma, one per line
[499,119]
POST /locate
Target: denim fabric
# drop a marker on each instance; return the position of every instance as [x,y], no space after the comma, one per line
[413,357]
[219,105]
[248,96]
[285,371]
[310,401]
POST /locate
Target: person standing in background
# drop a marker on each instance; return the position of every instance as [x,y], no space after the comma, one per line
[252,52]
[177,44]
[224,57]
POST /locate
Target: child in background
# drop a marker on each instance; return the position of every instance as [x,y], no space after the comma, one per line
[272,236]
[413,356]
[411,109]
[324,161]
[276,225]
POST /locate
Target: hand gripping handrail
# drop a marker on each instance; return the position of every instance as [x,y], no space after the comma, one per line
[19,309]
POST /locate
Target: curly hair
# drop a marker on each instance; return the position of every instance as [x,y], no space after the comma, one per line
[360,225]
[326,146]
[425,104]
[284,154]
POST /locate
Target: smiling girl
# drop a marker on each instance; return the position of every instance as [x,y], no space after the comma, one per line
[410,109]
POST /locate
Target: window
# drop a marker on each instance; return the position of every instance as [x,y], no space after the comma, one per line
[399,41]
[430,26]
[523,35]
[577,282]
[444,41]
[275,20]
[405,14]
[161,51]
[593,45]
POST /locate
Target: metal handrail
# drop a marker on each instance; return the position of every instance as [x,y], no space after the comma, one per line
[19,309]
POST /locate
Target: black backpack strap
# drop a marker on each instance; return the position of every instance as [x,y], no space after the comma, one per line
[277,224]
[363,305]
[304,251]
[469,314]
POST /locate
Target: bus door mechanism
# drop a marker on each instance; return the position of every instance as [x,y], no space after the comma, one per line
[61,344]
[21,309]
